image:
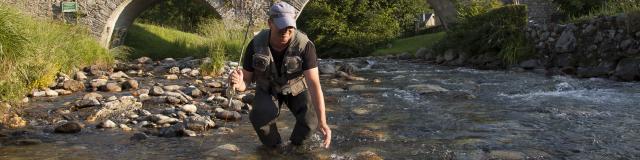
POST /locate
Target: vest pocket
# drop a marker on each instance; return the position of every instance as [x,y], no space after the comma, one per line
[260,62]
[293,64]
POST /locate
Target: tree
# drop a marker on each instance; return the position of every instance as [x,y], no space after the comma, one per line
[445,10]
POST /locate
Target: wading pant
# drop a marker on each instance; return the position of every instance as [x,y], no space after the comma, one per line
[266,109]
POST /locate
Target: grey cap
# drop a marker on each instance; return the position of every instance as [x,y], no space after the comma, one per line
[283,15]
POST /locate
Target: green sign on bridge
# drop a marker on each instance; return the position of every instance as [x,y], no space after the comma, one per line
[69,7]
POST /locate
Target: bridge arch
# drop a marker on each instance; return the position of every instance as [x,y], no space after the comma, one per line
[127,11]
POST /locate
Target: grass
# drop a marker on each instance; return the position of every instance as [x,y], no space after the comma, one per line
[411,44]
[33,51]
[160,42]
[610,8]
[213,40]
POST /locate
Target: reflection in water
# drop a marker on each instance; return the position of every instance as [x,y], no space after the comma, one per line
[485,114]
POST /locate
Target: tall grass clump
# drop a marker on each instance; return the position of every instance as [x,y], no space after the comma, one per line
[34,51]
[597,8]
[224,43]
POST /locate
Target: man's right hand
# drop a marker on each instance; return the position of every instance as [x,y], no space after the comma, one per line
[237,80]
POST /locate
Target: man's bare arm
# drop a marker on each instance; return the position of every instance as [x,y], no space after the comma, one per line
[313,81]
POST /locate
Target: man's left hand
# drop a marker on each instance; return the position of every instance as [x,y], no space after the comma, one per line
[326,131]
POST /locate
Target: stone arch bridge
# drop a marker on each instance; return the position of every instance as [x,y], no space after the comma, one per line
[108,20]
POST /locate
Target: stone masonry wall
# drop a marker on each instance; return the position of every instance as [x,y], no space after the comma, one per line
[93,13]
[606,47]
[540,11]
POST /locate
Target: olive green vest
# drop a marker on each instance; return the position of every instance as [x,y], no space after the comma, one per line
[290,80]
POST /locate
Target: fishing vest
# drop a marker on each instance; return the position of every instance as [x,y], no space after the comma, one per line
[290,80]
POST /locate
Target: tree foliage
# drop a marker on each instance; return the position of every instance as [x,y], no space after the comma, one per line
[347,28]
[184,15]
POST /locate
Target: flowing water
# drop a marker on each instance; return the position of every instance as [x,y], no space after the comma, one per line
[484,114]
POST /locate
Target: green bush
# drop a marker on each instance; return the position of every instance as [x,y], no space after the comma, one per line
[179,14]
[476,7]
[34,51]
[499,31]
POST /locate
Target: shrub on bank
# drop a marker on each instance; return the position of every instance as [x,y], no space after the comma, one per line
[500,31]
[34,51]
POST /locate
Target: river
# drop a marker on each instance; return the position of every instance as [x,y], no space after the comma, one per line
[480,114]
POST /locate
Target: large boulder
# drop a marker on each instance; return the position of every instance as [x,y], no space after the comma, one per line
[228,115]
[450,55]
[327,68]
[628,69]
[130,84]
[70,127]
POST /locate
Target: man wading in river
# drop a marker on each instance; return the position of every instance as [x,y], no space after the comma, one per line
[283,63]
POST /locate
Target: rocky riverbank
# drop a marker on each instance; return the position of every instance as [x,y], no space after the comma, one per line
[604,47]
[165,98]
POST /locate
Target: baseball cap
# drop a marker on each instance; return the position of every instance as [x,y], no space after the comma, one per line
[283,15]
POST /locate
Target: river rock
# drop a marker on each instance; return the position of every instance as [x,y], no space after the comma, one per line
[73,85]
[156,91]
[327,68]
[139,137]
[215,84]
[112,87]
[118,75]
[189,108]
[15,121]
[347,68]
[80,76]
[107,124]
[450,55]
[97,83]
[229,115]
[236,105]
[628,69]
[98,70]
[199,123]
[63,92]
[171,77]
[185,70]
[421,53]
[130,84]
[140,92]
[229,147]
[188,133]
[171,131]
[92,95]
[171,88]
[87,103]
[124,127]
[566,43]
[193,92]
[248,98]
[51,93]
[38,94]
[426,88]
[69,127]
[174,70]
[144,60]
[168,60]
[162,119]
[529,64]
